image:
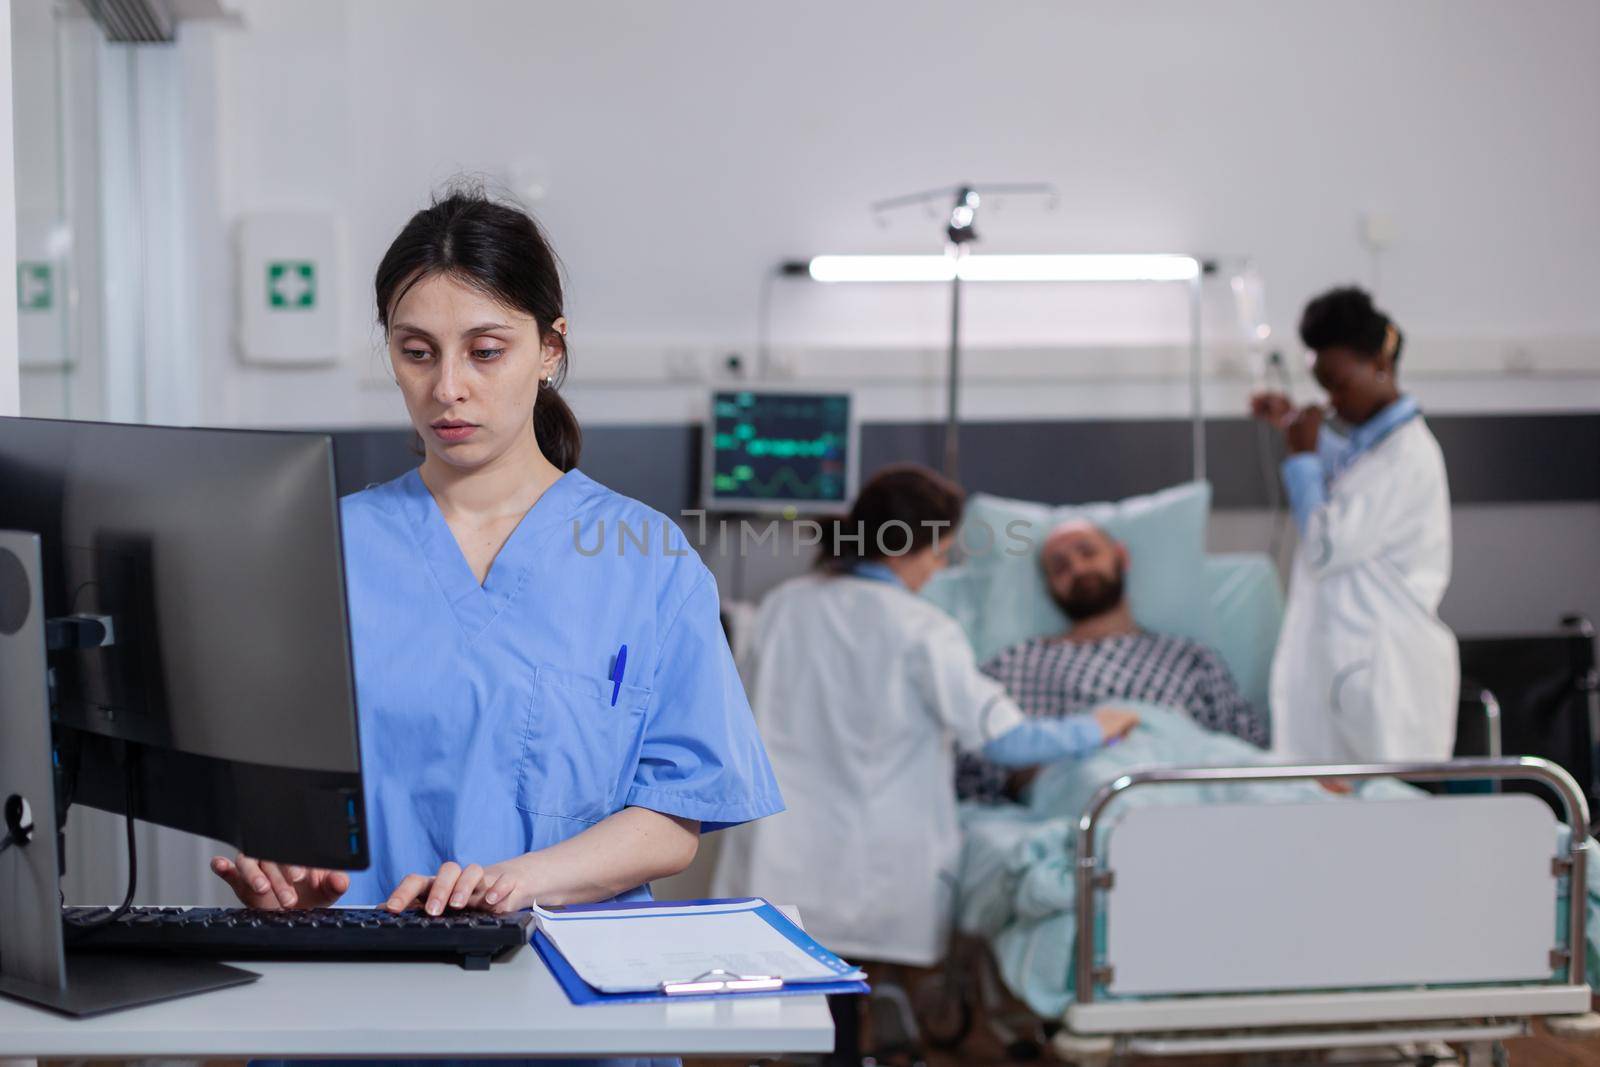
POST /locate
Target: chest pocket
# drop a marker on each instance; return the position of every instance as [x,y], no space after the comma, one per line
[578,751]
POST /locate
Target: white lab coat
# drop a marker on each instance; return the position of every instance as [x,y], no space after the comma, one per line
[860,690]
[1365,671]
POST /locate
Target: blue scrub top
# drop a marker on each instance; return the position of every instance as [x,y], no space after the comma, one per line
[487,722]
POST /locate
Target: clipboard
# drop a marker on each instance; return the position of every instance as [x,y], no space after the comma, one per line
[690,987]
[581,993]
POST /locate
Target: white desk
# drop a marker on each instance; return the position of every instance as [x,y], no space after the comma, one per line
[414,1010]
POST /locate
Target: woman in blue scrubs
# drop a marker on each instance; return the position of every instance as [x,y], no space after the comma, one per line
[549,711]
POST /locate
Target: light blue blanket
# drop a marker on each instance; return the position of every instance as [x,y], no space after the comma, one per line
[1016,882]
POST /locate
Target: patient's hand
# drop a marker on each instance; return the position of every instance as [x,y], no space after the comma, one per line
[1115,723]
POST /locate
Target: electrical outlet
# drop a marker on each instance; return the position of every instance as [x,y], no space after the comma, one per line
[780,366]
[1520,360]
[685,365]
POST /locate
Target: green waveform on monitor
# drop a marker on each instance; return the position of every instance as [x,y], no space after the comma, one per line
[788,449]
[773,487]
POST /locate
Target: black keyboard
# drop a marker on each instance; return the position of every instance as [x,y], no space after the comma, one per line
[469,938]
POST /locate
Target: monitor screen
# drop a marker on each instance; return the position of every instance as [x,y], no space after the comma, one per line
[780,451]
[217,556]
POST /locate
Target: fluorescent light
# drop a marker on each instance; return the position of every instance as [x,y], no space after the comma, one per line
[1079,268]
[1006,268]
[882,268]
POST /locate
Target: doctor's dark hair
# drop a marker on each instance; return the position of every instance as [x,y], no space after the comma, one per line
[900,510]
[1346,318]
[500,251]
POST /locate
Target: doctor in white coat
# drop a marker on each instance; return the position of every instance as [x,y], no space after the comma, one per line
[861,689]
[1365,671]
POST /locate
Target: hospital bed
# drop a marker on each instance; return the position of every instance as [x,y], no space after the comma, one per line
[1297,923]
[1341,925]
[1241,907]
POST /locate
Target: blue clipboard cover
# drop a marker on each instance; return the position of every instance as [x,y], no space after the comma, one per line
[581,993]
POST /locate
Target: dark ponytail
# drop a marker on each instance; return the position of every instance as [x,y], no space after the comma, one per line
[500,251]
[556,428]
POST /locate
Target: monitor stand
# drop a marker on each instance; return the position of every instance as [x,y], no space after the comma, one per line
[35,964]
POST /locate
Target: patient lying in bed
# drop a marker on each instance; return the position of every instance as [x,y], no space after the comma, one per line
[1105,656]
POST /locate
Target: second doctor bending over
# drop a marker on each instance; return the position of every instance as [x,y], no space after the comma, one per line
[511,751]
[862,689]
[1365,671]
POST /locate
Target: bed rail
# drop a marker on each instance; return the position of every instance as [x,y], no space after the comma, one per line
[1575,806]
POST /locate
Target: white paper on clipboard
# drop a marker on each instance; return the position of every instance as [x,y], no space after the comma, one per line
[632,950]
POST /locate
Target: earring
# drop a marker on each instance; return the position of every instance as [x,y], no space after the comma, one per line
[1383,376]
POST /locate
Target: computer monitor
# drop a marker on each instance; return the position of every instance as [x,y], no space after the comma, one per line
[189,606]
[780,450]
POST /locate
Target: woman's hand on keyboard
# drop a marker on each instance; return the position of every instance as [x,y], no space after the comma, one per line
[271,886]
[454,888]
[497,888]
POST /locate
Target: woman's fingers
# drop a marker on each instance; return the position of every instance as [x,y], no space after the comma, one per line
[326,882]
[466,886]
[223,868]
[443,884]
[408,892]
[228,871]
[265,894]
[267,885]
[250,871]
[487,888]
[327,887]
[249,883]
[1115,722]
[280,884]
[504,899]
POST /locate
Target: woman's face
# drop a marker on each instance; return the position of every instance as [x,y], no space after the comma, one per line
[469,368]
[1358,386]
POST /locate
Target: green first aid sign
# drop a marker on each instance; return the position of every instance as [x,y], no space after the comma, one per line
[36,289]
[291,284]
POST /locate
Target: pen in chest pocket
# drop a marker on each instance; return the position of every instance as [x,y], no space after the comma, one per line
[617,667]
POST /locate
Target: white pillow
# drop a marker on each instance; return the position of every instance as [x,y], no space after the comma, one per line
[998,593]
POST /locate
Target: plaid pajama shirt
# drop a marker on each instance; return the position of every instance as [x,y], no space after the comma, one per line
[1052,678]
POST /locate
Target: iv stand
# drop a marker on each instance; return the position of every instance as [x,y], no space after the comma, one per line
[959,233]
[952,422]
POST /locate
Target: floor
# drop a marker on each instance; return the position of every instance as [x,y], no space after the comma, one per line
[1540,1050]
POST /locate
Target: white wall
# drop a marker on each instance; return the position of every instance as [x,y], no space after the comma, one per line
[1518,567]
[686,148]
